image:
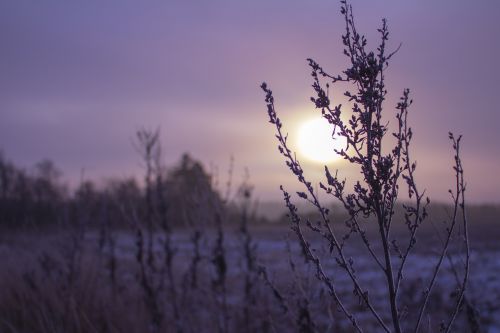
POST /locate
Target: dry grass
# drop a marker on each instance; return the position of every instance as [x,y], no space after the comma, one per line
[38,295]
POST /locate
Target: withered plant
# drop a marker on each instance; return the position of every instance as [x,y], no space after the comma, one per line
[383,157]
[249,251]
[155,275]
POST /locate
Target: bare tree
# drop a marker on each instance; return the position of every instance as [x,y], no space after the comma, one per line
[387,168]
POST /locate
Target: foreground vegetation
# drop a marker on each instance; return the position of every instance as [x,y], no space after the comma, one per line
[61,280]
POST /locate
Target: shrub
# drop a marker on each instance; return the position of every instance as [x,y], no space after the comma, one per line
[386,168]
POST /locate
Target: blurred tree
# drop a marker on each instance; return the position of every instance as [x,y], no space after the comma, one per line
[25,198]
[190,194]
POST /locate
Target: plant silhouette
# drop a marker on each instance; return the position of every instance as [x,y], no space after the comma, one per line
[386,168]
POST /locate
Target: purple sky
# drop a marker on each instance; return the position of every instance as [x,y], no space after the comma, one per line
[79,78]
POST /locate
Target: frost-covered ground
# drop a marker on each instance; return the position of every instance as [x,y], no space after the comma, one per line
[43,271]
[277,249]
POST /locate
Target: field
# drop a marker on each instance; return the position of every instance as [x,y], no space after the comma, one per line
[81,280]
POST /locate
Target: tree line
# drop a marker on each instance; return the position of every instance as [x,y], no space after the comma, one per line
[38,197]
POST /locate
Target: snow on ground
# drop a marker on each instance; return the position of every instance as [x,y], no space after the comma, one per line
[273,253]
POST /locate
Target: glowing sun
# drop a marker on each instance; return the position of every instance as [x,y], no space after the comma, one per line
[316,141]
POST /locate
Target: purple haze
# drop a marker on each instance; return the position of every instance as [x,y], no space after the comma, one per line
[78,79]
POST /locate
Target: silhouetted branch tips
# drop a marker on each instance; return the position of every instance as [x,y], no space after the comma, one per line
[376,196]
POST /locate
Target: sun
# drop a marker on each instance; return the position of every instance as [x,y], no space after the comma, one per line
[317,142]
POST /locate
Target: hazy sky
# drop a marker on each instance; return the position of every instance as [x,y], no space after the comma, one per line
[79,78]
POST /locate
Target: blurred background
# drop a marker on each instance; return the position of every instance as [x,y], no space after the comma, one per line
[79,79]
